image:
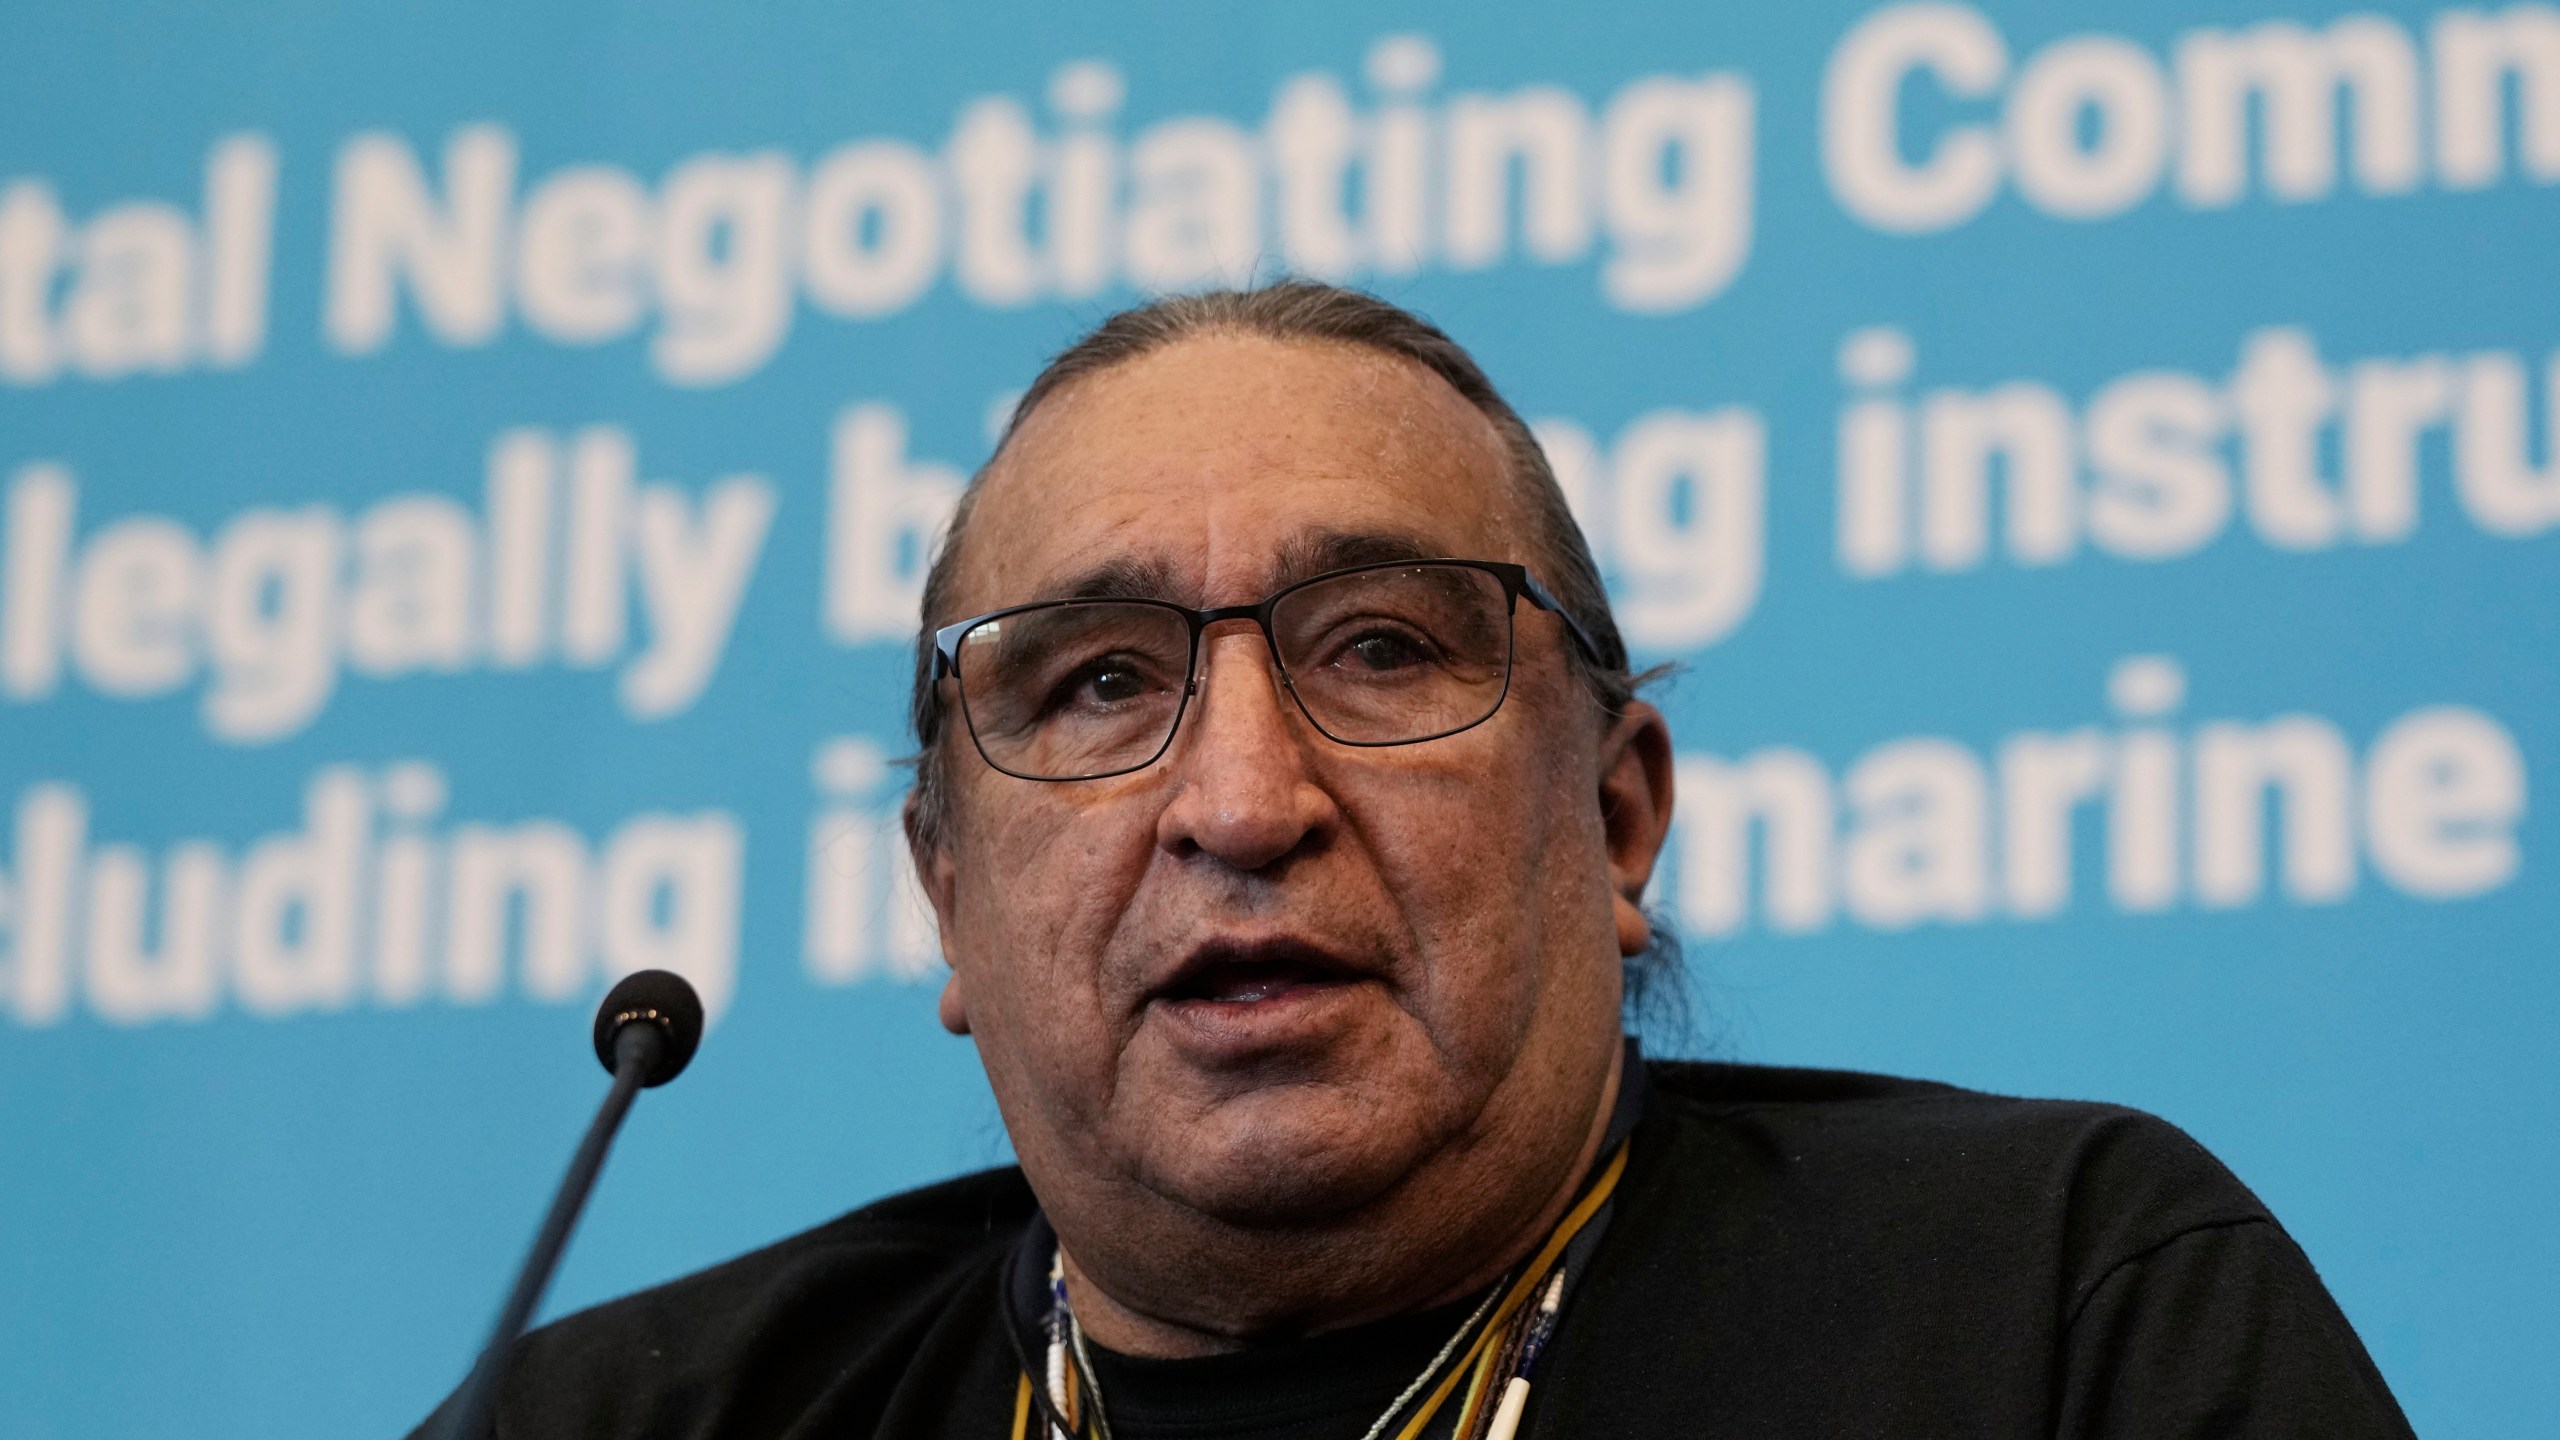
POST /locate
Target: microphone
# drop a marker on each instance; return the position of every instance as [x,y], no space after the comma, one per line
[646,1032]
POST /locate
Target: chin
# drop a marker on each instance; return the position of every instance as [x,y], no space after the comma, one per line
[1286,1159]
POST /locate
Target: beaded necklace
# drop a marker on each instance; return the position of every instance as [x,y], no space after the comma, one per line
[1494,1350]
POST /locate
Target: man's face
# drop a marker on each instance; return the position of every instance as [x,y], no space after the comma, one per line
[1270,976]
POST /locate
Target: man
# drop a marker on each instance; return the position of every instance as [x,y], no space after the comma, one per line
[1287,810]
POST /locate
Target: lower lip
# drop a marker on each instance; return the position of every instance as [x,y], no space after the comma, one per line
[1286,1017]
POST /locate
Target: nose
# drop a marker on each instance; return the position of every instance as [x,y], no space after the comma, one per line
[1245,794]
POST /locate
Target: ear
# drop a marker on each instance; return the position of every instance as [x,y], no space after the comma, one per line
[1635,814]
[937,877]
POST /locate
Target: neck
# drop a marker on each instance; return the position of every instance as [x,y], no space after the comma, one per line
[1199,1287]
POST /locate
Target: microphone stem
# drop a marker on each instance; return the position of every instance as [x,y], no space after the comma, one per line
[635,1053]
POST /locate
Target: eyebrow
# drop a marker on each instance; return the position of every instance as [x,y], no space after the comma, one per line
[1314,553]
[1124,577]
[1302,557]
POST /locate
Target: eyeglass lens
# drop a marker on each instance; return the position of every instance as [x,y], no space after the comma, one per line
[1083,689]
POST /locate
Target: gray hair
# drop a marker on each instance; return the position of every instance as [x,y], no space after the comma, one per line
[1302,310]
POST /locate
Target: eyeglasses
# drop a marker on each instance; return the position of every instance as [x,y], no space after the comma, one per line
[1387,654]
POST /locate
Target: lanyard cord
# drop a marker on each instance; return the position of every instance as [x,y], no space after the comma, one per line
[1431,1369]
[1522,1288]
[1540,1279]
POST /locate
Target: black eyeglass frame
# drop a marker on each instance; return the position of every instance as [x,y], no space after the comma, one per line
[1516,582]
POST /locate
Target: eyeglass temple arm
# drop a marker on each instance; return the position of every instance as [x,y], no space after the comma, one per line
[946,649]
[1539,596]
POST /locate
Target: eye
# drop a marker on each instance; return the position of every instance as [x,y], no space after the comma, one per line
[1110,684]
[1103,683]
[1384,650]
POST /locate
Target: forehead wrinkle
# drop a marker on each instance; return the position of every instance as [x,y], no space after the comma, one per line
[1418,427]
[1415,425]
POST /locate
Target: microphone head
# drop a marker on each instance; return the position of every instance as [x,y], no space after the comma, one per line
[652,997]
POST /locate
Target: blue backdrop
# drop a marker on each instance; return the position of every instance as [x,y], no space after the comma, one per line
[464,473]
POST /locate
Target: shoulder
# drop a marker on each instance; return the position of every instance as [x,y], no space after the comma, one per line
[868,1282]
[2083,1186]
[1872,1119]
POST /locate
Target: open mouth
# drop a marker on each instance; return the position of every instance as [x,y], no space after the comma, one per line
[1244,982]
[1231,977]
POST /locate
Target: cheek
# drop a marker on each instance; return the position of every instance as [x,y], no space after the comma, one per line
[1040,885]
[1502,888]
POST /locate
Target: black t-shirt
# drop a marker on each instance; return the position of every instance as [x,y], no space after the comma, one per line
[1328,1387]
[1790,1253]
